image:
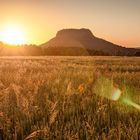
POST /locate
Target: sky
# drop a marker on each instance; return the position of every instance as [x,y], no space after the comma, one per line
[117,21]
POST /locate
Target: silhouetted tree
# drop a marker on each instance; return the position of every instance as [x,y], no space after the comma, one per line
[137,54]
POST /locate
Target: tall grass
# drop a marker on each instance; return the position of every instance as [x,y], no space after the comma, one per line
[53,98]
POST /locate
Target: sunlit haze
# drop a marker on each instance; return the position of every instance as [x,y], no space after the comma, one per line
[116,21]
[13,34]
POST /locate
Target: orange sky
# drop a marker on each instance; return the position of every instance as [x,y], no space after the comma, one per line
[117,21]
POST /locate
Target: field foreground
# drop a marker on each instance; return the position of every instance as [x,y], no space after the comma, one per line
[55,98]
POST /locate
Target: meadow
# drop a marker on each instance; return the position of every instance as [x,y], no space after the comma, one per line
[47,98]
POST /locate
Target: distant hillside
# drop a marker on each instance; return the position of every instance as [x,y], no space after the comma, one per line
[84,39]
[70,42]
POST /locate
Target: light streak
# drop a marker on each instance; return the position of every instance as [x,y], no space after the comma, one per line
[104,87]
[131,103]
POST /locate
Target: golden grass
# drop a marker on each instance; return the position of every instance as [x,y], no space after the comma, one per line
[53,98]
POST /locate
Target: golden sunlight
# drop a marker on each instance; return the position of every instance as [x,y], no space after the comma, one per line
[13,35]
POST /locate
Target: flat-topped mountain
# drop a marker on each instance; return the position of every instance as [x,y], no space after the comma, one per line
[70,38]
[75,33]
[84,39]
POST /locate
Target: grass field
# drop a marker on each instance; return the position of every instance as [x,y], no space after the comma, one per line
[54,98]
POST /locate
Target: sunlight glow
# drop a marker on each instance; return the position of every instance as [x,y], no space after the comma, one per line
[104,87]
[13,35]
[131,103]
[116,94]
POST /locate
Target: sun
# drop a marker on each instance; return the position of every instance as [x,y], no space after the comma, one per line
[13,35]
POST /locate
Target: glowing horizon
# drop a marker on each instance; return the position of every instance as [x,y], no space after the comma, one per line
[13,35]
[115,21]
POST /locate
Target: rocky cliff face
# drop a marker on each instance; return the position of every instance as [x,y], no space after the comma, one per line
[70,38]
[75,33]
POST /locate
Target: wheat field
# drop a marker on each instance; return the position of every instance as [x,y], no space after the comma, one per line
[47,98]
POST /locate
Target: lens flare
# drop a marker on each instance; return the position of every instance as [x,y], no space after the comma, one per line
[116,94]
[131,103]
[104,87]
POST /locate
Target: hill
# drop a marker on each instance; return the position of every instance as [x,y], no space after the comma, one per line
[84,40]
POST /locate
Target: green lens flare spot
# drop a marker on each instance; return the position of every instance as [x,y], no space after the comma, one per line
[116,94]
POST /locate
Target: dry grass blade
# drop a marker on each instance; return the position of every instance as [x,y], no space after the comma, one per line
[53,116]
[35,134]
